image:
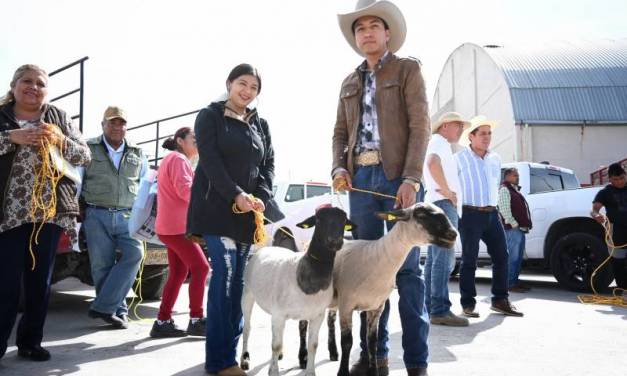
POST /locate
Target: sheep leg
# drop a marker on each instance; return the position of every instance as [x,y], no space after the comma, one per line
[302,351]
[331,340]
[278,326]
[248,301]
[346,340]
[372,320]
[314,331]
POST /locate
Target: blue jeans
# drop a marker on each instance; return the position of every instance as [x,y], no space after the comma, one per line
[107,232]
[224,301]
[409,281]
[15,269]
[474,226]
[516,249]
[438,267]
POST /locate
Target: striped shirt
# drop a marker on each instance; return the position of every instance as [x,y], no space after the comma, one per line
[479,177]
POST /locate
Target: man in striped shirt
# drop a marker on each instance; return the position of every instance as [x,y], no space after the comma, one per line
[479,172]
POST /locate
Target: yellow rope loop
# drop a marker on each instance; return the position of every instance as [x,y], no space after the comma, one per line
[46,175]
[616,299]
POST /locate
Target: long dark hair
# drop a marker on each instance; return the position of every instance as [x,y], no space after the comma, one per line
[244,69]
[171,144]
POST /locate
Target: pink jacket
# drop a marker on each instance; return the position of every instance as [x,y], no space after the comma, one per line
[173,194]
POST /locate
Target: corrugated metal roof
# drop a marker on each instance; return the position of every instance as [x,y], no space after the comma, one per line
[566,81]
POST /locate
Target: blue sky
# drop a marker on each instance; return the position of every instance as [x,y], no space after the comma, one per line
[158,58]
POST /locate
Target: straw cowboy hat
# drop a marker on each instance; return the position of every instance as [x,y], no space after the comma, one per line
[478,121]
[383,9]
[449,117]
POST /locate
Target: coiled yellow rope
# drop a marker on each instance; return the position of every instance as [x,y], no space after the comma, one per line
[41,211]
[616,299]
[260,236]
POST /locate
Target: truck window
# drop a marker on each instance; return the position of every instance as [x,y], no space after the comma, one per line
[543,180]
[295,192]
[570,181]
[317,190]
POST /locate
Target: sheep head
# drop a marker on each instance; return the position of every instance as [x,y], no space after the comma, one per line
[429,224]
[330,225]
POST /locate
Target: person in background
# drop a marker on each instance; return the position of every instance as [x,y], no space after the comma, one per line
[110,185]
[184,256]
[234,174]
[26,120]
[516,220]
[443,190]
[614,198]
[479,171]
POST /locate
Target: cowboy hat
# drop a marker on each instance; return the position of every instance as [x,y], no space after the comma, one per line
[477,122]
[383,9]
[449,117]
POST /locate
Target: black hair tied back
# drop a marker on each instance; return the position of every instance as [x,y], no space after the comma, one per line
[169,144]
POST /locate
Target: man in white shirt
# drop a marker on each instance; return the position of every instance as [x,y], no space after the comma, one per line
[479,172]
[443,190]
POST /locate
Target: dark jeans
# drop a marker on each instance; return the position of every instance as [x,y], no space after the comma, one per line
[224,301]
[15,267]
[409,281]
[474,226]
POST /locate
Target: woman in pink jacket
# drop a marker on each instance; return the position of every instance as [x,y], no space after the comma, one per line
[184,256]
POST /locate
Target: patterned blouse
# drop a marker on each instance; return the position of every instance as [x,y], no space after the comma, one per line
[17,203]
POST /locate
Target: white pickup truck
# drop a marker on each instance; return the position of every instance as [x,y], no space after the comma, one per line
[564,238]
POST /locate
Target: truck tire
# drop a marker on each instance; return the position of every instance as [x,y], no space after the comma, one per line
[153,280]
[575,257]
[455,271]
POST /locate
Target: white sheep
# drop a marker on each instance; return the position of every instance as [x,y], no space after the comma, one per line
[297,286]
[365,270]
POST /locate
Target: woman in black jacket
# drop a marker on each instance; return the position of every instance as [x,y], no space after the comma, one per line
[235,169]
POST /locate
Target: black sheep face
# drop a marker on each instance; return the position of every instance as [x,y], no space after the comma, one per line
[330,225]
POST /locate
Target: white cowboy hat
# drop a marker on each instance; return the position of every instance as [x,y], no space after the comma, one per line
[477,122]
[383,9]
[449,117]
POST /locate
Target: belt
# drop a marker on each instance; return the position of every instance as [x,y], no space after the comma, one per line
[106,208]
[368,158]
[485,209]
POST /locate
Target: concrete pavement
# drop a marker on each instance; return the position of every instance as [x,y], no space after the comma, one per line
[557,336]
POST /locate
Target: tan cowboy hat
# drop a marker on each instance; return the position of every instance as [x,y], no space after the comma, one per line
[383,9]
[449,117]
[476,122]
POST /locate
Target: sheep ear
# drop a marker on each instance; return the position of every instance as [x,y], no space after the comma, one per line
[307,223]
[349,226]
[393,216]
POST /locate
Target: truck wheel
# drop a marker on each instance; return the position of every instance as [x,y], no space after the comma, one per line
[575,257]
[455,271]
[153,280]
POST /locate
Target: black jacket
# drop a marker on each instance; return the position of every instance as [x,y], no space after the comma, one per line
[66,189]
[234,157]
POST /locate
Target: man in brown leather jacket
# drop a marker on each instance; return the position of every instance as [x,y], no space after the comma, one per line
[379,144]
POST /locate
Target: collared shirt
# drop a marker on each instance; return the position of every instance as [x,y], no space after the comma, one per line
[505,206]
[439,146]
[368,131]
[479,177]
[115,154]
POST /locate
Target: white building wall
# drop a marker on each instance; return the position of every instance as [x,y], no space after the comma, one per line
[472,84]
[582,149]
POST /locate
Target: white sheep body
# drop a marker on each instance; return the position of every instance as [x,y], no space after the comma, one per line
[275,289]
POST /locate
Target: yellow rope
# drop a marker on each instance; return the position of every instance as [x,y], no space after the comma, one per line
[45,175]
[137,291]
[616,299]
[260,235]
[343,185]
